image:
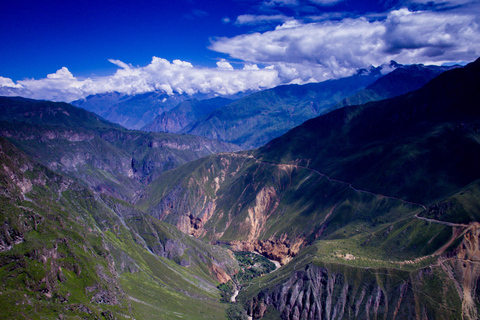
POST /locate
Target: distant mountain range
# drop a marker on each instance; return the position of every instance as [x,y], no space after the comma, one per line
[183,114]
[136,111]
[255,119]
[130,111]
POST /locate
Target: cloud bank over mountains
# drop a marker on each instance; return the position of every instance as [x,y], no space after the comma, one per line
[311,49]
[170,77]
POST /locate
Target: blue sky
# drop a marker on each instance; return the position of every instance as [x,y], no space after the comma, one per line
[65,50]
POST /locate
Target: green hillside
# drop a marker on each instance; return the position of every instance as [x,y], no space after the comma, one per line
[21,110]
[69,253]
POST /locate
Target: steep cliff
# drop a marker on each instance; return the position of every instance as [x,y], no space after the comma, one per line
[314,289]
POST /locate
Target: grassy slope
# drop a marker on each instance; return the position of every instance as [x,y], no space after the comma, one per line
[21,110]
[397,146]
[66,251]
[298,212]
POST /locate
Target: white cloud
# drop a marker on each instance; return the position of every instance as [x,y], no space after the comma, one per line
[62,73]
[178,76]
[288,25]
[312,50]
[7,82]
[250,67]
[224,65]
[336,48]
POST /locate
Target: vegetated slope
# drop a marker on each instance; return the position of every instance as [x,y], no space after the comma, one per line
[403,79]
[66,252]
[105,156]
[21,110]
[184,113]
[256,119]
[419,146]
[380,195]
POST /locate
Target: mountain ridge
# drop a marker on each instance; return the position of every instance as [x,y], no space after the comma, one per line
[254,120]
[185,112]
[105,156]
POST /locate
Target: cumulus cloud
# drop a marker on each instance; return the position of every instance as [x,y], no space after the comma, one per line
[317,51]
[224,65]
[7,82]
[171,77]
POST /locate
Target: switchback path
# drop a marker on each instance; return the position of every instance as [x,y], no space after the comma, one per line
[450,224]
[348,184]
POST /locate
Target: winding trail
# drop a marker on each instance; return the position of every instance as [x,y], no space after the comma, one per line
[348,184]
[450,224]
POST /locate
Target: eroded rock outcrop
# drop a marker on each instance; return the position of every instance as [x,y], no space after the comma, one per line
[281,250]
[448,289]
[463,269]
[326,292]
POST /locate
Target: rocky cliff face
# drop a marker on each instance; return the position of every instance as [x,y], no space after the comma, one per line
[447,289]
[273,209]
